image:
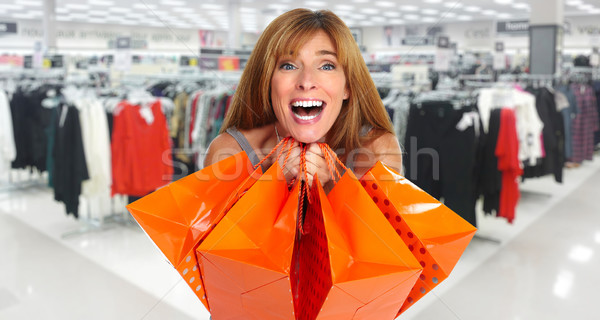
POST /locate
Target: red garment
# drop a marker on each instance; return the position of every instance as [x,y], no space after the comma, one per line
[141,151]
[193,116]
[507,151]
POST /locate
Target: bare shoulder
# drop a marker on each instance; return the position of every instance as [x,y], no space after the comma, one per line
[223,146]
[384,147]
[384,143]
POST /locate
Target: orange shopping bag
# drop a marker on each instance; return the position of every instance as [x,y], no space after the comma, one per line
[351,263]
[245,260]
[177,217]
[435,235]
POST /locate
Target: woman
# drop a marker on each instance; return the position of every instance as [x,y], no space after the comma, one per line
[307,79]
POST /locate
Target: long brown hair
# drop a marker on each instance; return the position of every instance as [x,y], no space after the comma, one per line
[251,106]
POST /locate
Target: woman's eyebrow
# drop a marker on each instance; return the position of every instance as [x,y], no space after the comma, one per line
[326,52]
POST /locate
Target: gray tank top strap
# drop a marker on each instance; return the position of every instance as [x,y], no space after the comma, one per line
[244,144]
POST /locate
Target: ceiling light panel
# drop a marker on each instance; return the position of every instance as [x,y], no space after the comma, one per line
[391,14]
[77,6]
[96,20]
[119,9]
[103,3]
[472,9]
[385,4]
[344,7]
[448,14]
[173,3]
[411,17]
[358,16]
[453,5]
[98,13]
[429,11]
[145,6]
[315,4]
[22,16]
[30,3]
[10,6]
[520,5]
[409,8]
[370,11]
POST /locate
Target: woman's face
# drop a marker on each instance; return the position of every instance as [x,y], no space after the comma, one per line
[307,91]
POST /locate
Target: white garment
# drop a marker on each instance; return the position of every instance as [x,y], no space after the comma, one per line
[96,145]
[8,150]
[529,124]
[529,127]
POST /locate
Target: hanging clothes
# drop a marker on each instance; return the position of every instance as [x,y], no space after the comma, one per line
[209,115]
[553,137]
[70,168]
[529,124]
[569,114]
[507,151]
[441,152]
[491,177]
[51,134]
[94,127]
[596,86]
[30,120]
[585,124]
[177,126]
[8,150]
[141,149]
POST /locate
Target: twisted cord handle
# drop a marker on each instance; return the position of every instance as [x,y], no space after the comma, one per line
[304,193]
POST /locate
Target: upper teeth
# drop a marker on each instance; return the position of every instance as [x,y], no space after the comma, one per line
[307,104]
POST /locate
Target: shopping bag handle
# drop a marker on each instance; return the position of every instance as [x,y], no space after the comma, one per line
[330,158]
[283,142]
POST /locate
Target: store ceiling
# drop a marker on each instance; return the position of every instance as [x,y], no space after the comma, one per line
[256,14]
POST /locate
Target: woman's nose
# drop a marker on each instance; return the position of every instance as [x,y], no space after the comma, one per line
[306,80]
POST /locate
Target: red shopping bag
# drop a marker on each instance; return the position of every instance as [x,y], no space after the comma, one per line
[246,259]
[177,217]
[435,235]
[351,263]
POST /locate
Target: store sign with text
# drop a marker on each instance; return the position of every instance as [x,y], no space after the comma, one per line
[8,27]
[514,27]
[209,63]
[229,63]
[417,41]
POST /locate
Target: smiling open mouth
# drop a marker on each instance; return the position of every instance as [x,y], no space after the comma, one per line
[307,110]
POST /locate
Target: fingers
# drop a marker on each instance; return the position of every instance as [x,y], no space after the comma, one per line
[316,163]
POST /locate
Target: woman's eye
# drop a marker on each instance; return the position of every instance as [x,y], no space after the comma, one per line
[287,66]
[328,66]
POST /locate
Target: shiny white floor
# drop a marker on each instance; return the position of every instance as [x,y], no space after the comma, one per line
[542,268]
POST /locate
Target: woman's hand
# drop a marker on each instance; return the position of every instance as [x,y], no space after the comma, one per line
[316,164]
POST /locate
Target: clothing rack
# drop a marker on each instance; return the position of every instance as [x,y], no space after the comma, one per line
[34,179]
[108,222]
